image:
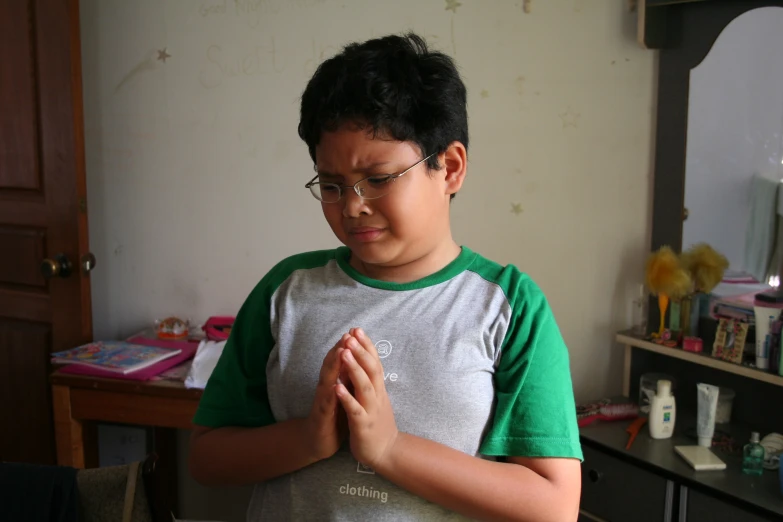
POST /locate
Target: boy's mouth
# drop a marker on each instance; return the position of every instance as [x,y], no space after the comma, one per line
[365,234]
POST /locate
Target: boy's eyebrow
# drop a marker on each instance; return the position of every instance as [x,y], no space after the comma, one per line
[324,174]
[364,169]
[372,166]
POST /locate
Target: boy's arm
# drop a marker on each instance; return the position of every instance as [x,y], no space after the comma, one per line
[234,455]
[237,456]
[525,489]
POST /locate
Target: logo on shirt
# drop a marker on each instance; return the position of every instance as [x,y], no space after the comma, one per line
[361,468]
[364,491]
[384,348]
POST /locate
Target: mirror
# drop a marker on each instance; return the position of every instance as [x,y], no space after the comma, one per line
[734,156]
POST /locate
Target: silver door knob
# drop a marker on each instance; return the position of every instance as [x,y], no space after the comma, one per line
[88,262]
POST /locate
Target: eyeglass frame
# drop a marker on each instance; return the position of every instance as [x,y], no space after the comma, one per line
[342,188]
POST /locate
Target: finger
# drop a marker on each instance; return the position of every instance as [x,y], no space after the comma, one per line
[326,401]
[366,342]
[331,356]
[368,360]
[353,409]
[362,385]
[330,369]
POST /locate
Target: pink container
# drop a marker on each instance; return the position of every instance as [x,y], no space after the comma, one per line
[218,328]
[692,344]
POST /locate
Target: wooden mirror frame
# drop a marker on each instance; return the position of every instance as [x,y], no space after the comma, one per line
[690,28]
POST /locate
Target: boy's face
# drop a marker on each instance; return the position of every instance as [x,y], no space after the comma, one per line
[409,223]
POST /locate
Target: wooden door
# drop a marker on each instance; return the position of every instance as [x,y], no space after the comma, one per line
[43,214]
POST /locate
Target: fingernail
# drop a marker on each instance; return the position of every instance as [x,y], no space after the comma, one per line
[359,332]
[348,356]
[353,343]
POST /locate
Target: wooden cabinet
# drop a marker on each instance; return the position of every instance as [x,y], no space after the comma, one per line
[646,484]
[695,506]
[615,490]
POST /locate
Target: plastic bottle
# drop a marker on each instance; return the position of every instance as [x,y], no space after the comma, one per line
[753,456]
[663,411]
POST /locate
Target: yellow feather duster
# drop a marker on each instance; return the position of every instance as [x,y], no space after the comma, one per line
[666,275]
[705,265]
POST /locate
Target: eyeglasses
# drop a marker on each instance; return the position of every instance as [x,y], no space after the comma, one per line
[371,187]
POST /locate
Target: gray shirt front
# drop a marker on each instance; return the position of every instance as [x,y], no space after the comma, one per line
[444,342]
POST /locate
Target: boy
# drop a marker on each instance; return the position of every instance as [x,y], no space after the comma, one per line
[444,372]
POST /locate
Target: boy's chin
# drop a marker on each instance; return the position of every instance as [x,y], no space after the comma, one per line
[373,254]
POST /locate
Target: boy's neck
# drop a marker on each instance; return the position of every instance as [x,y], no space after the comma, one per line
[414,270]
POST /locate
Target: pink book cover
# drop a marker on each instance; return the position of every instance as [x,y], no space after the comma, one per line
[188,350]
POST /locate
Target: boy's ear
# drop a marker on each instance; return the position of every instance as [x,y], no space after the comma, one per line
[455,160]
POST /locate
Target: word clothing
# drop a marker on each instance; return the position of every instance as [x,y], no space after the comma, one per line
[472,359]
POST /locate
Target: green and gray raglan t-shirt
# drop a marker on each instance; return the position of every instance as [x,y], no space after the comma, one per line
[472,359]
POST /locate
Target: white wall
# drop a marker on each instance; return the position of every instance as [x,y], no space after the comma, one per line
[196,174]
[735,130]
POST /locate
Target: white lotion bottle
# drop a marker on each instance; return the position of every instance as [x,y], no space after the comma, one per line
[663,412]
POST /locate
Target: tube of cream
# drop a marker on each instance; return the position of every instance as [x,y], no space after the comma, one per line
[707,405]
[763,310]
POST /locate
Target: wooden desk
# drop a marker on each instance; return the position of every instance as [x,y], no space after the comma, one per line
[76,399]
[78,402]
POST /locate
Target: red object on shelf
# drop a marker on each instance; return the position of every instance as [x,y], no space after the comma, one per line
[692,344]
[218,328]
[633,430]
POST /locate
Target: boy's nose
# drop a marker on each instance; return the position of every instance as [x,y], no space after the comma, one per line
[353,204]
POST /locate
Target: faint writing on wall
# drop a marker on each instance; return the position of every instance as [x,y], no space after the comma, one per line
[224,64]
[217,7]
[252,12]
[318,53]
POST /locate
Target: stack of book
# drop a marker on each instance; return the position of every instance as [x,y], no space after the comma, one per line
[123,359]
[737,308]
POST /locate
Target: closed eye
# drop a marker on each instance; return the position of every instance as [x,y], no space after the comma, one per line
[380,180]
[329,187]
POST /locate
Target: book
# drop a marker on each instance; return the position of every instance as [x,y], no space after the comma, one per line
[728,311]
[114,356]
[700,458]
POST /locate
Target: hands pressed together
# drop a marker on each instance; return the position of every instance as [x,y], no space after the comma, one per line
[351,400]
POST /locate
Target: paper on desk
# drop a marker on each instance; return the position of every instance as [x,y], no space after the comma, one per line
[204,362]
[177,373]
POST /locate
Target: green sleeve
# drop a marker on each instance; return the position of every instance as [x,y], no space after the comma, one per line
[535,414]
[236,393]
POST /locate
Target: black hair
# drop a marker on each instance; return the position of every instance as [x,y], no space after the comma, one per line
[393,87]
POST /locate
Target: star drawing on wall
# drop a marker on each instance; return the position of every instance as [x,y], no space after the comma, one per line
[452,5]
[163,54]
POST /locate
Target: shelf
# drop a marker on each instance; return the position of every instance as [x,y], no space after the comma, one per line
[628,339]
